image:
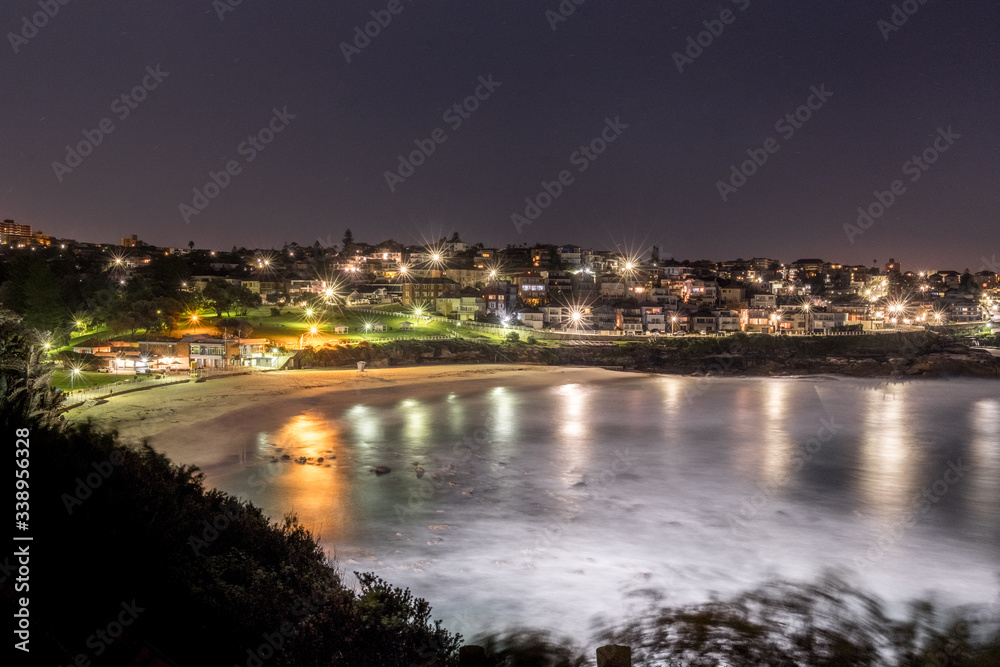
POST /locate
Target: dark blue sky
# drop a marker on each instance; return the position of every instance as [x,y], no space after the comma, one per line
[656,184]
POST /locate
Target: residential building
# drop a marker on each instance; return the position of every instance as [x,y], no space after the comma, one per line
[629,321]
[531,317]
[653,318]
[820,322]
[426,291]
[532,288]
[702,322]
[728,321]
[468,304]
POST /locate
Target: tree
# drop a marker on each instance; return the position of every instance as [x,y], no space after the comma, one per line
[32,291]
[190,245]
[244,299]
[235,326]
[218,296]
[27,398]
[348,239]
[455,238]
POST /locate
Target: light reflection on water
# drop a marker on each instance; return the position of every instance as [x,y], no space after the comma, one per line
[888,454]
[537,520]
[984,455]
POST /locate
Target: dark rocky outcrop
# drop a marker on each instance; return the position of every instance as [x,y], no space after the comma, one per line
[885,355]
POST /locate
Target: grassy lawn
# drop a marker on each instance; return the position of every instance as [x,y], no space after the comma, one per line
[63,380]
[294,323]
[78,337]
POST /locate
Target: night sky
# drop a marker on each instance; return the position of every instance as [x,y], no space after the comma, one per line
[656,184]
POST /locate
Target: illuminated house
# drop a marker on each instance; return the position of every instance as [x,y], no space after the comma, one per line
[532,288]
[653,318]
[418,291]
[531,317]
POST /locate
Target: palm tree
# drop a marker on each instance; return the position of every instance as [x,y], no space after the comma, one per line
[27,398]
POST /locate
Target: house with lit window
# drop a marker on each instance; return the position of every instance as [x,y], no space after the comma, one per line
[424,292]
[824,322]
[758,320]
[653,318]
[209,351]
[532,288]
[466,305]
[702,322]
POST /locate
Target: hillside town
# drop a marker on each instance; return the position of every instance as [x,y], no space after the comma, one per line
[558,291]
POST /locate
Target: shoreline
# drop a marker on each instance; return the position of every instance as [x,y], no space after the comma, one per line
[139,415]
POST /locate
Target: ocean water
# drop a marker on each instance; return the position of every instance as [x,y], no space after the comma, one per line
[555,506]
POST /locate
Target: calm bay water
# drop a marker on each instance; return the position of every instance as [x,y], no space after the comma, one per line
[549,506]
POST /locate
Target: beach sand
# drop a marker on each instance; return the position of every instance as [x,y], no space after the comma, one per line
[145,414]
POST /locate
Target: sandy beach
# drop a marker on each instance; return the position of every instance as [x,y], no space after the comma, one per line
[145,414]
